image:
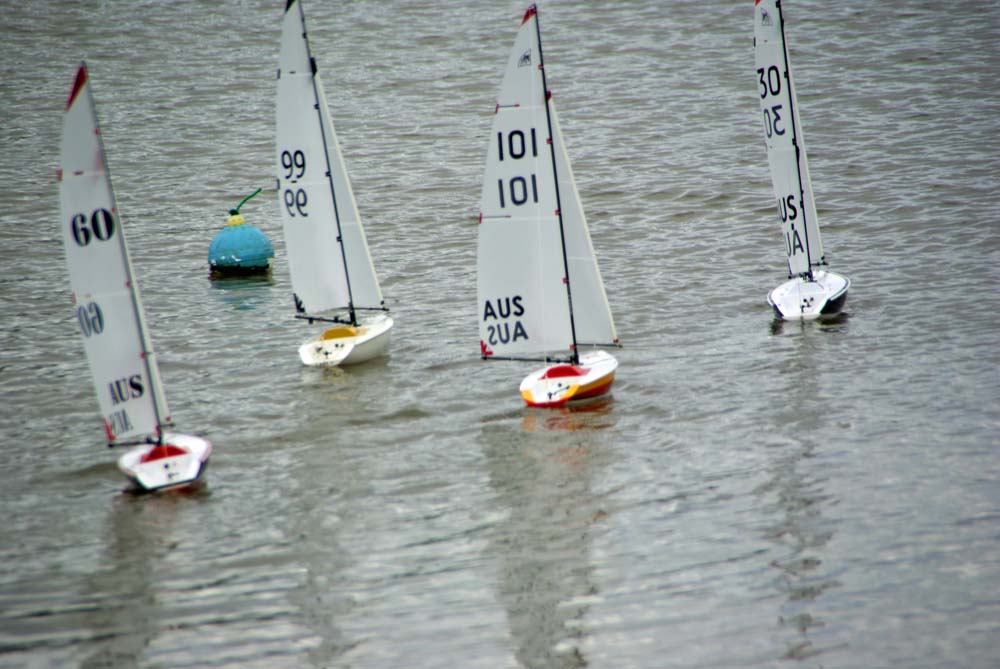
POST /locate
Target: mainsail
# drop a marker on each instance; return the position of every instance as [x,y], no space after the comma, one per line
[328,257]
[106,298]
[786,149]
[539,289]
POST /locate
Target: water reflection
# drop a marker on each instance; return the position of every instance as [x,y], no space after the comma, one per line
[243,293]
[800,532]
[833,323]
[125,613]
[594,415]
[543,475]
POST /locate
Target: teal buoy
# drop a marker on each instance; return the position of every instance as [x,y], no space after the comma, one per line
[239,248]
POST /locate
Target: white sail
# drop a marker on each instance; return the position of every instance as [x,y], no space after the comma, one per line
[106,299]
[591,313]
[321,223]
[786,150]
[524,301]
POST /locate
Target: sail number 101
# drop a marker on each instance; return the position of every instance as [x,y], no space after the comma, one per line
[295,199]
[514,146]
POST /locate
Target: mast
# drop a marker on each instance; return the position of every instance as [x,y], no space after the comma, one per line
[326,157]
[795,135]
[575,358]
[145,342]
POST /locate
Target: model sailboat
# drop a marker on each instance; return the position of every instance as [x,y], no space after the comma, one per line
[109,311]
[810,292]
[331,269]
[539,289]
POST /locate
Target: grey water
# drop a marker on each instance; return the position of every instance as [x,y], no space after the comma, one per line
[753,494]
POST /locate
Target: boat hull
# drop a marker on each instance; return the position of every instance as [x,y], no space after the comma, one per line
[558,385]
[800,299]
[177,463]
[348,345]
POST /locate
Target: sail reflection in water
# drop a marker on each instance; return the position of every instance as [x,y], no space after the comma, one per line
[543,479]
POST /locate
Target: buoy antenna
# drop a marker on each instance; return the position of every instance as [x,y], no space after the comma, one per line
[243,202]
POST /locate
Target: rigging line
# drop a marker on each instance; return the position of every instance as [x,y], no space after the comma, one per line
[555,174]
[329,172]
[145,344]
[795,138]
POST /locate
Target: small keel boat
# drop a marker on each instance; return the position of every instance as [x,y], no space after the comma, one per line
[539,288]
[175,463]
[556,385]
[811,290]
[331,268]
[108,309]
[356,342]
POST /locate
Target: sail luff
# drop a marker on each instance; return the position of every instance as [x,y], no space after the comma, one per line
[323,118]
[575,355]
[814,243]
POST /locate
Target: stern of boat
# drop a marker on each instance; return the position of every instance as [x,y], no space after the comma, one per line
[176,463]
[801,299]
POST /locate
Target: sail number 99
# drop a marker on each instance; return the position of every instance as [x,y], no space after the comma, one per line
[516,145]
[295,199]
[294,164]
[100,226]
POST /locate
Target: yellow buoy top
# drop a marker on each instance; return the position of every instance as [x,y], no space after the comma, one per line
[236,219]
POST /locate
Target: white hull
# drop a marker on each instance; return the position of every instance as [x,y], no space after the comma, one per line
[556,385]
[800,299]
[346,345]
[178,462]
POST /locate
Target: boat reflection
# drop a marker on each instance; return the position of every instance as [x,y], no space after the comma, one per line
[128,609]
[595,414]
[543,478]
[800,492]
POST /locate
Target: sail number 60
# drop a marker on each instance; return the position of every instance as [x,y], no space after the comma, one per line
[100,226]
[91,319]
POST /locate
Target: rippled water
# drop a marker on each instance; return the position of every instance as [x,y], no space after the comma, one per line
[753,495]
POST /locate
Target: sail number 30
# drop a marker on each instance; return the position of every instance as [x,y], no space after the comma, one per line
[518,190]
[295,199]
[770,83]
